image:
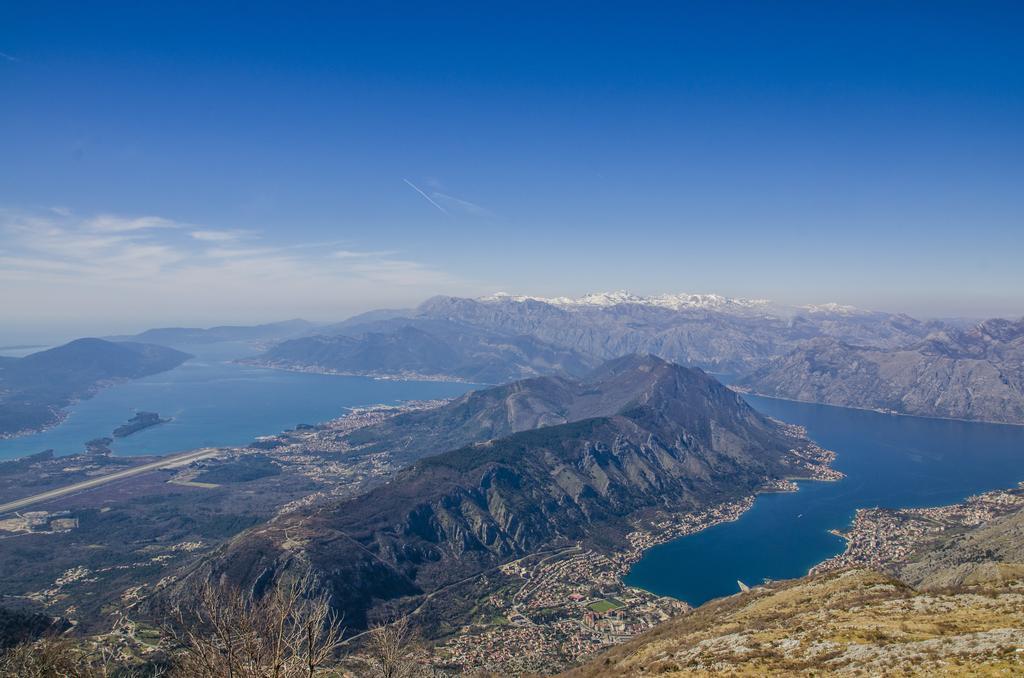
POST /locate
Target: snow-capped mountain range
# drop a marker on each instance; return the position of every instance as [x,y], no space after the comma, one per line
[682,301]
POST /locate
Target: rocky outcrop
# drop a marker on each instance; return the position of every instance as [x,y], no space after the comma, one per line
[989,553]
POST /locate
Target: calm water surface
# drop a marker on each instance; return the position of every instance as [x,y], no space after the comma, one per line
[215,402]
[890,461]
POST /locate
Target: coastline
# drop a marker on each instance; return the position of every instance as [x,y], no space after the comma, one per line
[59,417]
[378,376]
[555,619]
[882,538]
[876,410]
[62,412]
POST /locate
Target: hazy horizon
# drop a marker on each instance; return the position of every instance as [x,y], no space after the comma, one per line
[44,334]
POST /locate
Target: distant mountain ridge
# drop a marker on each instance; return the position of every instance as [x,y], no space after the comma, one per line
[964,374]
[711,332]
[425,347]
[668,438]
[675,302]
[503,337]
[196,335]
[684,301]
[34,389]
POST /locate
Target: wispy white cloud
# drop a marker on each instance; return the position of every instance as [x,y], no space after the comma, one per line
[61,265]
[9,57]
[217,236]
[349,254]
[111,223]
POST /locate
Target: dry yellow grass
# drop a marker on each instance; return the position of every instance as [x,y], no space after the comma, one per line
[853,622]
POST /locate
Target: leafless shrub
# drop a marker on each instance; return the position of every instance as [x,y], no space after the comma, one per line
[284,634]
[389,650]
[46,658]
[63,657]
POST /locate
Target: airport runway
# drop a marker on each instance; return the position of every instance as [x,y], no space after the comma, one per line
[166,462]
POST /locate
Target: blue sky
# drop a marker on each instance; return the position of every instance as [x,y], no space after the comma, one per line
[189,164]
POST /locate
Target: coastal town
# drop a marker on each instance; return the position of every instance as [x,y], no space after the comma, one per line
[559,608]
[882,537]
[396,375]
[565,606]
[318,453]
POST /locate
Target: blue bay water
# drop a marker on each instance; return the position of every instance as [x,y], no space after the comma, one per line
[890,461]
[216,402]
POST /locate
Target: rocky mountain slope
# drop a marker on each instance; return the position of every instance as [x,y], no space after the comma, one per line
[664,437]
[987,554]
[33,389]
[527,404]
[426,348]
[965,374]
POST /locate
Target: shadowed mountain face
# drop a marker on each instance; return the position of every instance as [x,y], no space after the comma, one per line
[651,436]
[972,374]
[406,347]
[19,626]
[33,389]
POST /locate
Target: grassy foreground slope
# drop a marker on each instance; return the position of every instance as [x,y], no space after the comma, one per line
[852,622]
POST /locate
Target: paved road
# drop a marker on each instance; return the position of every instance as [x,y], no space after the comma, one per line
[166,462]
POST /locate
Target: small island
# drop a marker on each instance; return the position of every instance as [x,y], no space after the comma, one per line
[141,420]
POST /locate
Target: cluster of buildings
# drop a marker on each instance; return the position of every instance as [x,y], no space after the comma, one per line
[572,603]
[672,526]
[39,521]
[817,462]
[567,606]
[322,453]
[880,537]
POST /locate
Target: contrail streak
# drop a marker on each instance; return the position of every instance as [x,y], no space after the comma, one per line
[428,198]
